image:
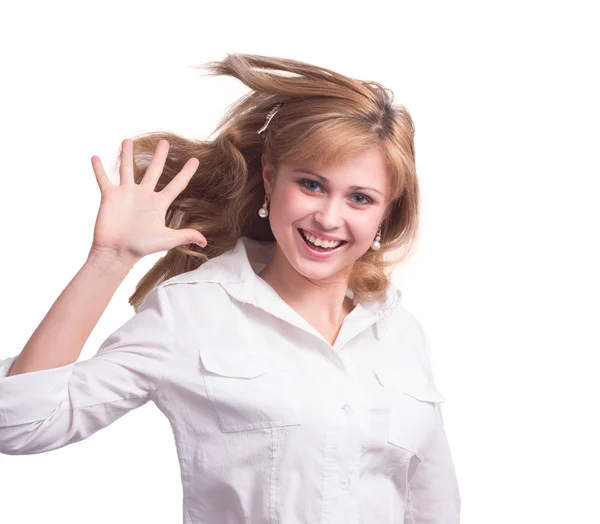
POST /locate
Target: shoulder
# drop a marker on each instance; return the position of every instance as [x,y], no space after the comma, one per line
[403,336]
[200,310]
[188,290]
[397,317]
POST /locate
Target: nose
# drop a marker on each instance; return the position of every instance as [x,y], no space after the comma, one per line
[328,216]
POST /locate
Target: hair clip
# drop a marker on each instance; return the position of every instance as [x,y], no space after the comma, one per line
[270,115]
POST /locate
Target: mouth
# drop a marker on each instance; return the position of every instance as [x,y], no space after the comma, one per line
[325,246]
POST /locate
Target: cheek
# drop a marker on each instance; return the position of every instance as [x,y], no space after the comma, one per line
[363,226]
[291,204]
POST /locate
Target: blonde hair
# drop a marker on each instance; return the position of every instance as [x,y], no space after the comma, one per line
[324,118]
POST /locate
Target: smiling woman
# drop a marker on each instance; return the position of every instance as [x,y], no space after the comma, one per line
[298,118]
[298,387]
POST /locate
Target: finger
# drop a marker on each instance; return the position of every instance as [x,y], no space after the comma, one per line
[186,236]
[181,180]
[157,165]
[103,181]
[126,165]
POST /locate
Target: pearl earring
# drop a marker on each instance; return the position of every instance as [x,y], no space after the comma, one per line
[377,242]
[263,211]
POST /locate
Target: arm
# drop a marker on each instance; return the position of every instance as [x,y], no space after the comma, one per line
[61,335]
[433,492]
[47,398]
[45,409]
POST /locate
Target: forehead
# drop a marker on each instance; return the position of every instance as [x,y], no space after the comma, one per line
[366,164]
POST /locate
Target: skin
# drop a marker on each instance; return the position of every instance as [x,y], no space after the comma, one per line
[316,289]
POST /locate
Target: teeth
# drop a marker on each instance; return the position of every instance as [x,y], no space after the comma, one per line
[320,242]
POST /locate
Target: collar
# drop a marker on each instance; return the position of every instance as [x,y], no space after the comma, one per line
[236,271]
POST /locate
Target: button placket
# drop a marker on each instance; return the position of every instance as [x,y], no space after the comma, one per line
[344,479]
[345,429]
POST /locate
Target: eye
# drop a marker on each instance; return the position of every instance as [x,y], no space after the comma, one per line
[366,200]
[309,184]
[313,185]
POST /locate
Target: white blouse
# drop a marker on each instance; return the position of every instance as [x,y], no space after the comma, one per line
[272,423]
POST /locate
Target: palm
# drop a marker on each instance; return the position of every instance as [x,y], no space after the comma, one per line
[131,218]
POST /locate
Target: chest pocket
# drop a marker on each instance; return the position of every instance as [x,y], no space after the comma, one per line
[413,400]
[250,390]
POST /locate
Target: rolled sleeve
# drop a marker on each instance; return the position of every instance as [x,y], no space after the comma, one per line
[29,397]
[433,491]
[48,409]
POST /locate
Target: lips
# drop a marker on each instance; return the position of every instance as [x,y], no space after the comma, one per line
[322,237]
[315,252]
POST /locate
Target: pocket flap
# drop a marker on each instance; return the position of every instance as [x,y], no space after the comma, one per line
[241,362]
[411,381]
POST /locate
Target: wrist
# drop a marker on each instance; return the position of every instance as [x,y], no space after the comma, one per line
[109,261]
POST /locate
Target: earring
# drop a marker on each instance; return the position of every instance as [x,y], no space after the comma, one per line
[377,242]
[263,211]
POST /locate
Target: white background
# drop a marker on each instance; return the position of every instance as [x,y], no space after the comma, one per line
[505,281]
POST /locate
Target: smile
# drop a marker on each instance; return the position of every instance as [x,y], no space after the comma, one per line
[320,242]
[318,247]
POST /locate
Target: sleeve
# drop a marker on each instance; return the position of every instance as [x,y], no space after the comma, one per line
[51,408]
[433,492]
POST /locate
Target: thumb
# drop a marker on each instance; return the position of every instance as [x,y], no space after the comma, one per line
[187,236]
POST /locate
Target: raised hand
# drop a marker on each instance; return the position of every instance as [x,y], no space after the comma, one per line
[131,219]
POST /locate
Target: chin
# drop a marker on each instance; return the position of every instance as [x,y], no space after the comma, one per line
[313,273]
[321,270]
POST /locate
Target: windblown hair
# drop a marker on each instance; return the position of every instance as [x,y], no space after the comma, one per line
[325,118]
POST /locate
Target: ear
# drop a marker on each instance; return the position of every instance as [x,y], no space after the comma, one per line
[268,174]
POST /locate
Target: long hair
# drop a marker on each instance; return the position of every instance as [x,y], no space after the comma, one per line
[324,118]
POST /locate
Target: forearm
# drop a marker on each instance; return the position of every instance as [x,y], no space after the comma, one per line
[60,337]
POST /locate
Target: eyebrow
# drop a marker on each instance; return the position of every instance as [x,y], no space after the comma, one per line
[354,188]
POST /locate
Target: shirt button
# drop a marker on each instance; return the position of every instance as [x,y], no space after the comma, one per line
[347,409]
[344,483]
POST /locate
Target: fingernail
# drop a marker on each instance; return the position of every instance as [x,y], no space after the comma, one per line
[199,244]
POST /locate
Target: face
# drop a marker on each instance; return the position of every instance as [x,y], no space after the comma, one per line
[345,203]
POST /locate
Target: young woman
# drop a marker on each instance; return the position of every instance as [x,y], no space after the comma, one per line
[298,387]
